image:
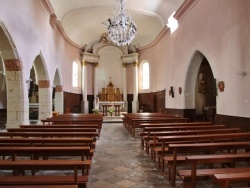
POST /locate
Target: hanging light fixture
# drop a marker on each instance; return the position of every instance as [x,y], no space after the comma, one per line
[121,28]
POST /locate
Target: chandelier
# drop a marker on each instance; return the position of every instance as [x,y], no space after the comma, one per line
[121,28]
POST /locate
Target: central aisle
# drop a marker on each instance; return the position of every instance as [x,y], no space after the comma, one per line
[119,162]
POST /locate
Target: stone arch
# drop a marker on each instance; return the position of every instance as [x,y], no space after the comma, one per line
[57,95]
[17,100]
[45,98]
[191,79]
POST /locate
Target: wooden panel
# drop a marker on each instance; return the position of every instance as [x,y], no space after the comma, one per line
[72,102]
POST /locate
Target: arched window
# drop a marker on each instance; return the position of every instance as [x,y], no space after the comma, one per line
[75,75]
[145,75]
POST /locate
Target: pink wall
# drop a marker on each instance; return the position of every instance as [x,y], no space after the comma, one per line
[219,30]
[32,35]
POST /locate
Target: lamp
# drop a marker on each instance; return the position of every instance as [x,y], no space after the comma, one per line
[121,28]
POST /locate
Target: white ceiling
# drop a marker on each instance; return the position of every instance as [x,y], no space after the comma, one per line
[82,19]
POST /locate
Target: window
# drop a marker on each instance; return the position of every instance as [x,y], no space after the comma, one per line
[172,23]
[75,75]
[145,75]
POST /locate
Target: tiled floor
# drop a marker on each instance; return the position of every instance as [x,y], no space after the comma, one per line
[119,162]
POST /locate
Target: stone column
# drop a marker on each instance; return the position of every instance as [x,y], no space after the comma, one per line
[45,99]
[58,101]
[135,103]
[85,103]
[95,85]
[124,71]
[17,94]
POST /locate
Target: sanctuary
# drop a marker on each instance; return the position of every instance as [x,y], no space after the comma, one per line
[110,99]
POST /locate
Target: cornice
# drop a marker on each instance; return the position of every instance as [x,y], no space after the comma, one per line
[48,6]
[91,58]
[111,9]
[185,7]
[130,58]
[64,35]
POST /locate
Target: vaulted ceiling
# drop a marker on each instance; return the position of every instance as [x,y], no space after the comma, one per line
[82,19]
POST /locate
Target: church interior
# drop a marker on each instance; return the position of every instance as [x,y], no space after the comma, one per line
[114,70]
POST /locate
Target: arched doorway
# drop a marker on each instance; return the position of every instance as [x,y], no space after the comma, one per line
[16,99]
[57,94]
[200,91]
[44,89]
[3,96]
[33,97]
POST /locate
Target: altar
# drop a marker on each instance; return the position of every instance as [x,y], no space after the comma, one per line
[116,106]
[110,100]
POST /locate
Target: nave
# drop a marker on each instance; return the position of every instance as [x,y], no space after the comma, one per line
[119,162]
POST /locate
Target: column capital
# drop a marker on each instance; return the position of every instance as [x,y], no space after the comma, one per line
[43,83]
[84,63]
[135,64]
[124,65]
[96,64]
[13,65]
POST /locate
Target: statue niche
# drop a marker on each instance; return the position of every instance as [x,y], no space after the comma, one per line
[110,93]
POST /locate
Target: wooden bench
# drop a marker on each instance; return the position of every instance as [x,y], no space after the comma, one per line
[51,129]
[180,151]
[136,122]
[157,125]
[190,176]
[160,150]
[95,126]
[48,151]
[40,186]
[166,140]
[83,152]
[68,120]
[47,142]
[127,117]
[225,179]
[35,165]
[146,137]
[49,134]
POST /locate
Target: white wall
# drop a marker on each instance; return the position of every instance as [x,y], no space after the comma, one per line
[219,30]
[110,65]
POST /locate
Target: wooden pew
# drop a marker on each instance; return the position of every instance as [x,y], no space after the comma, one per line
[84,152]
[152,131]
[225,179]
[189,176]
[35,165]
[69,120]
[223,137]
[95,126]
[127,117]
[183,132]
[49,134]
[136,122]
[51,129]
[48,142]
[40,186]
[146,126]
[48,151]
[180,151]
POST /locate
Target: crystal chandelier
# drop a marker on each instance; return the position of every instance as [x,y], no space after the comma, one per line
[121,28]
